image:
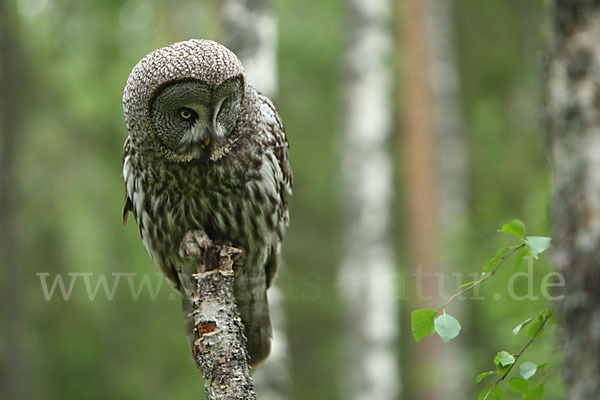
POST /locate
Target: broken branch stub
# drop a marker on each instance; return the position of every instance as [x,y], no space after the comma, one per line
[220,346]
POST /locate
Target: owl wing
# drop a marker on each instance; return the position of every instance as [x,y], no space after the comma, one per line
[277,142]
[128,204]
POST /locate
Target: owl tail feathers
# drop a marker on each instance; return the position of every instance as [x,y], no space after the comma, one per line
[258,340]
[189,325]
[258,332]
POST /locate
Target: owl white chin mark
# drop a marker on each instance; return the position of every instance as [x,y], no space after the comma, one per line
[200,139]
[197,134]
[195,151]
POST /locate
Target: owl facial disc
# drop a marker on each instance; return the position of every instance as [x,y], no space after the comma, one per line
[193,119]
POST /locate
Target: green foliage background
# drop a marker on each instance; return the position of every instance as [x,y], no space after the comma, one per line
[78,55]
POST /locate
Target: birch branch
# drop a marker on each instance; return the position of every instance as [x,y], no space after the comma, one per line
[220,345]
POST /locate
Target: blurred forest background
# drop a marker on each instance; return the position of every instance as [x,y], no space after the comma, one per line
[63,193]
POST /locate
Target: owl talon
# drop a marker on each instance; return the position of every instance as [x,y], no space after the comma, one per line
[194,245]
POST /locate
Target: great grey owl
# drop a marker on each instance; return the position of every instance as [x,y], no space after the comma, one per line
[207,152]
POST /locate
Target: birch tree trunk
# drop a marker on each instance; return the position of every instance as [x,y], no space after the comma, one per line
[11,85]
[573,138]
[249,29]
[367,275]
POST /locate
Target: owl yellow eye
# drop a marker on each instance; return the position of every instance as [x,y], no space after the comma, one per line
[186,113]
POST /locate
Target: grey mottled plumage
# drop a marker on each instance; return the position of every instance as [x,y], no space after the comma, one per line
[206,151]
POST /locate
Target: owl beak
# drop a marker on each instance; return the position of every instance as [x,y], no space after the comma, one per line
[212,131]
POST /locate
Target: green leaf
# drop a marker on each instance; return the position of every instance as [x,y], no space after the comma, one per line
[500,370]
[533,329]
[496,394]
[542,366]
[539,320]
[484,392]
[536,393]
[504,359]
[527,369]
[519,260]
[537,244]
[515,227]
[447,327]
[484,375]
[494,260]
[467,284]
[521,325]
[519,385]
[421,323]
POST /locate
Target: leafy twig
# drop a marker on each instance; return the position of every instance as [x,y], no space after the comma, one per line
[535,335]
[484,278]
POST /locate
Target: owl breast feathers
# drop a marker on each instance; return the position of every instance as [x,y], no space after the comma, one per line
[207,152]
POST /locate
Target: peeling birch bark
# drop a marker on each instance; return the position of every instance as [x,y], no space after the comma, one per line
[219,347]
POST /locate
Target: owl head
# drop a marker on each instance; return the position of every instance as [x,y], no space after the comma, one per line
[183,101]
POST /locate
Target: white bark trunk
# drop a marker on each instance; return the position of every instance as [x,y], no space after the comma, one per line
[272,378]
[367,274]
[250,30]
[573,133]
